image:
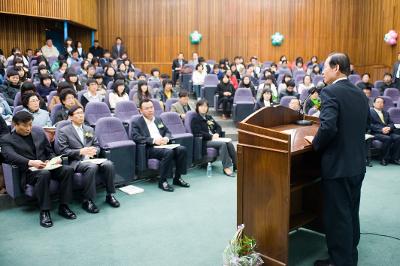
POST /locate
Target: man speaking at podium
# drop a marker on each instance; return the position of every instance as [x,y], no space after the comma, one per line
[341,142]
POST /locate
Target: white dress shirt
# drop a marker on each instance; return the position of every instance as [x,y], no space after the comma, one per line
[339,79]
[153,129]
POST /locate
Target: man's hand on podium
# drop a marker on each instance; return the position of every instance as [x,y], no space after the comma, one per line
[309,139]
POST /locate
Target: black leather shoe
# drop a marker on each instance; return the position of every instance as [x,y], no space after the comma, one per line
[396,161]
[45,219]
[384,162]
[90,207]
[180,182]
[234,168]
[231,174]
[165,186]
[368,163]
[323,263]
[110,199]
[66,212]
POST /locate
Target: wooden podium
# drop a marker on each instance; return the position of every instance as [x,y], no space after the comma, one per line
[278,180]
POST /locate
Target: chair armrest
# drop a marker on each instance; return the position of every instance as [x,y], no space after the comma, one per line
[141,158]
[12,180]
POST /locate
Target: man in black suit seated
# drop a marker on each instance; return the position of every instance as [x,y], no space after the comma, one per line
[152,131]
[387,83]
[177,65]
[78,142]
[341,141]
[383,129]
[27,148]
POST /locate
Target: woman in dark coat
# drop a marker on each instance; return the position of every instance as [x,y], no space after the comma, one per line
[226,91]
[205,126]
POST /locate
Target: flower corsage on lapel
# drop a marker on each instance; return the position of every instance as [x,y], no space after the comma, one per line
[88,135]
[160,125]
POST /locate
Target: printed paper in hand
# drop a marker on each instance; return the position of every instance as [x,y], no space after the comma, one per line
[223,139]
[167,146]
[130,190]
[52,164]
[368,136]
[397,125]
[95,161]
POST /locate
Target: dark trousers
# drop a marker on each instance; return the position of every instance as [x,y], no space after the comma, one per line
[391,146]
[41,181]
[227,102]
[226,152]
[341,218]
[89,171]
[175,76]
[167,157]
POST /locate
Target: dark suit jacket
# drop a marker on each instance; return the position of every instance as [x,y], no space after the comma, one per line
[114,51]
[141,134]
[70,143]
[200,127]
[395,68]
[260,104]
[341,136]
[175,63]
[376,123]
[16,151]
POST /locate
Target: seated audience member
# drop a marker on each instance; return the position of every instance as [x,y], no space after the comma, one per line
[314,101]
[56,98]
[122,69]
[294,104]
[109,74]
[299,65]
[92,95]
[226,92]
[74,58]
[42,70]
[232,79]
[182,106]
[177,65]
[23,75]
[5,109]
[49,50]
[168,91]
[217,71]
[31,104]
[383,129]
[130,75]
[246,83]
[91,71]
[269,82]
[286,78]
[150,130]
[46,86]
[78,142]
[289,91]
[60,72]
[204,125]
[29,87]
[142,76]
[72,78]
[68,99]
[79,48]
[368,92]
[142,92]
[316,70]
[306,85]
[96,49]
[11,86]
[365,78]
[118,94]
[106,59]
[387,83]
[235,72]
[101,88]
[198,77]
[266,99]
[256,65]
[313,62]
[154,74]
[26,148]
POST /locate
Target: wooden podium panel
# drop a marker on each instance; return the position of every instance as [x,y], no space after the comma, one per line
[278,180]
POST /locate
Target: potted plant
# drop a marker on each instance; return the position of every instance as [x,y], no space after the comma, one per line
[240,251]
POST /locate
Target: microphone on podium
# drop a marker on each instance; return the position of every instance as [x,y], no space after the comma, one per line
[304,122]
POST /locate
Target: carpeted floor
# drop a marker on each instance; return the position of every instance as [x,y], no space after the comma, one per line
[187,227]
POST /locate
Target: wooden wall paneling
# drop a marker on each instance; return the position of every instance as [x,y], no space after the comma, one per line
[83,12]
[81,34]
[37,8]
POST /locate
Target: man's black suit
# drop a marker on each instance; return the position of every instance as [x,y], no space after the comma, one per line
[16,151]
[391,142]
[177,64]
[141,134]
[341,142]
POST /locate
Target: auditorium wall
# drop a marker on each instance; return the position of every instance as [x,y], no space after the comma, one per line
[155,30]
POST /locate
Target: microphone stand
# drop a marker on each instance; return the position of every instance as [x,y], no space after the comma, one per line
[304,122]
